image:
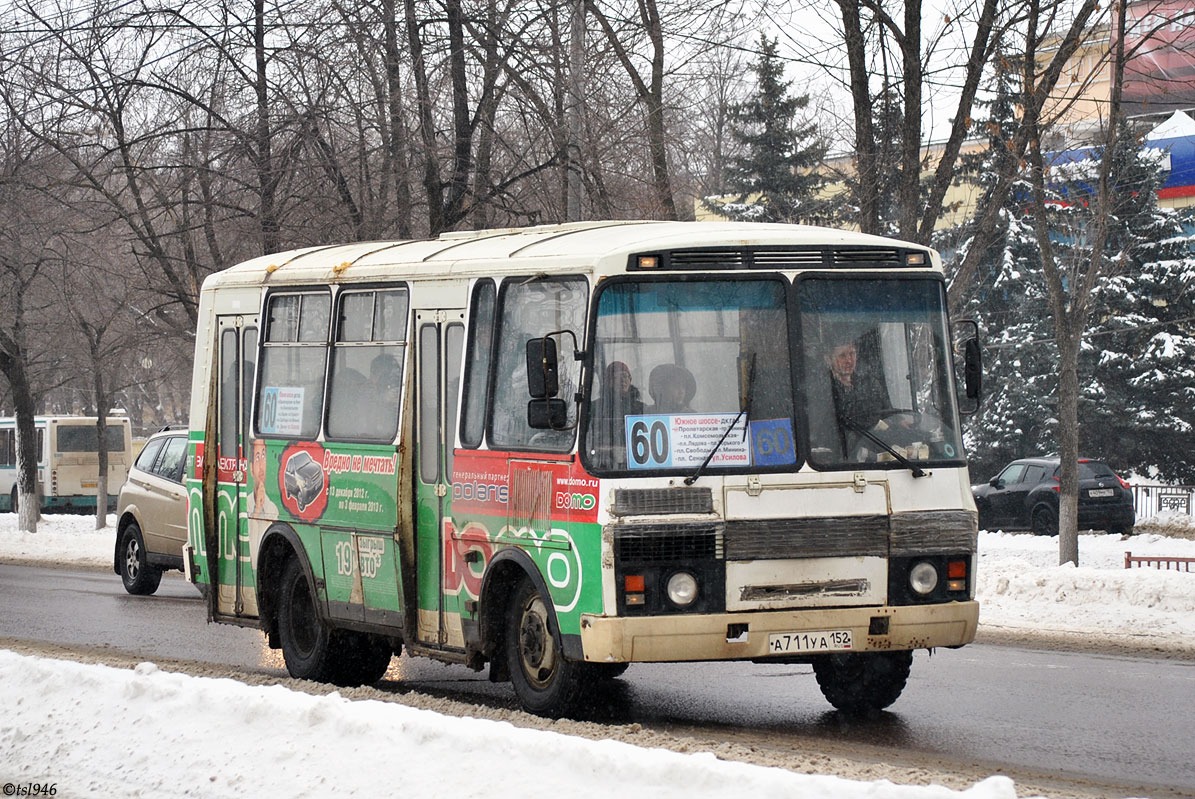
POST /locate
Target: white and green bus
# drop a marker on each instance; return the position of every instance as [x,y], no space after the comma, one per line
[559,450]
[67,460]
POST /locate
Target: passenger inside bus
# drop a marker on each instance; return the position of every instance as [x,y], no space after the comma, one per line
[620,396]
[383,390]
[672,388]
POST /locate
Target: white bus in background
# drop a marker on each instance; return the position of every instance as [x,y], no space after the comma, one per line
[67,461]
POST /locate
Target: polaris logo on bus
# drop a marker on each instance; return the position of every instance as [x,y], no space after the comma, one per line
[481,492]
[565,500]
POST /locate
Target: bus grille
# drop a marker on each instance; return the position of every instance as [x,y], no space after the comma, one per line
[667,542]
[871,256]
[655,501]
[765,539]
[786,257]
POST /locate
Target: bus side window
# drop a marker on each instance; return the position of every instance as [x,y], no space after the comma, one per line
[8,451]
[477,365]
[290,396]
[368,353]
[532,308]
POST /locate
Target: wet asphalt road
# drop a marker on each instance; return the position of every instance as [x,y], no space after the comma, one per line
[1124,722]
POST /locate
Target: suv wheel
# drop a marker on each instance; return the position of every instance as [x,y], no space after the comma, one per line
[138,576]
[1045,521]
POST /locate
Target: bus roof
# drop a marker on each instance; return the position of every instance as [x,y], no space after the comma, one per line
[564,247]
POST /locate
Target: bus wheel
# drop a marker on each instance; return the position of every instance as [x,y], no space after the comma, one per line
[306,640]
[135,572]
[361,659]
[545,683]
[860,683]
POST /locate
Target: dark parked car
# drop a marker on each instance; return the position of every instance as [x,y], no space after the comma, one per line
[1024,496]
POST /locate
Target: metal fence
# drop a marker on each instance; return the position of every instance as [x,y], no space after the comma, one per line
[1152,500]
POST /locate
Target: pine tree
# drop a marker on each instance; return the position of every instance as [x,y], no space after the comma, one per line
[1138,409]
[1010,303]
[775,178]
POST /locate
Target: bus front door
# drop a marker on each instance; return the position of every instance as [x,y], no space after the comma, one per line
[236,351]
[439,336]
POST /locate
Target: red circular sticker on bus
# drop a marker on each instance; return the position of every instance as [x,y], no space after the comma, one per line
[302,480]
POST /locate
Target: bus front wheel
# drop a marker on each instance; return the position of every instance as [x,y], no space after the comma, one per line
[138,576]
[544,681]
[860,683]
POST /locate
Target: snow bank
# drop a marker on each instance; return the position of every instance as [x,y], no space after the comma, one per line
[99,731]
[1020,586]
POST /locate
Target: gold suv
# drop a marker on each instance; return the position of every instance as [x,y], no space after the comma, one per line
[152,513]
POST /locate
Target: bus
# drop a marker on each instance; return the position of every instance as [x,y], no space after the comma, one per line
[559,450]
[67,461]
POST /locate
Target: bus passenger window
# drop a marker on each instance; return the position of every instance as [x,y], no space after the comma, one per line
[531,308]
[368,352]
[290,396]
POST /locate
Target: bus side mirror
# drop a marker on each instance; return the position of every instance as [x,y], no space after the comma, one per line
[543,368]
[973,370]
[965,334]
[547,414]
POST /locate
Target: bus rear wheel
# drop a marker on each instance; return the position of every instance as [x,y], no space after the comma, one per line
[361,658]
[544,681]
[306,640]
[860,683]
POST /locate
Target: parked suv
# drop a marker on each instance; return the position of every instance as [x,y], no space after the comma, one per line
[152,513]
[1024,496]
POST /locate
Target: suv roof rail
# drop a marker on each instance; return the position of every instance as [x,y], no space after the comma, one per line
[172,427]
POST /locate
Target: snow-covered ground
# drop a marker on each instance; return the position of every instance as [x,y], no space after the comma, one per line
[99,731]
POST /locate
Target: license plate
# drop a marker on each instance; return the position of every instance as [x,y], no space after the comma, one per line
[823,641]
[1101,492]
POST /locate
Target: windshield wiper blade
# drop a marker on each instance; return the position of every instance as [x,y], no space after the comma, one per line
[745,411]
[905,462]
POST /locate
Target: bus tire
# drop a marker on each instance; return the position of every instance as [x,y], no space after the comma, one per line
[307,643]
[861,683]
[361,658]
[138,576]
[544,681]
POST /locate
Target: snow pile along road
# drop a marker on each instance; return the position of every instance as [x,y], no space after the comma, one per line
[150,733]
[1021,587]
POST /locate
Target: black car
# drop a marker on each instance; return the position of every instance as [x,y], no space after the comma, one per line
[1024,496]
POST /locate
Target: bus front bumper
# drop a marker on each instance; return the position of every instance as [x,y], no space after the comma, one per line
[745,636]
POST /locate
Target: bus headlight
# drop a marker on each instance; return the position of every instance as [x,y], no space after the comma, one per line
[682,589]
[923,578]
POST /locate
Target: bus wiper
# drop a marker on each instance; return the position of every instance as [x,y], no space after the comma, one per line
[746,411]
[905,462]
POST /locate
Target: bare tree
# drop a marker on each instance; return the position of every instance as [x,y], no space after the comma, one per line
[1072,285]
[649,89]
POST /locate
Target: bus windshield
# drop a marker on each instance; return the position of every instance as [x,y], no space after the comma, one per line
[688,367]
[83,438]
[876,370]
